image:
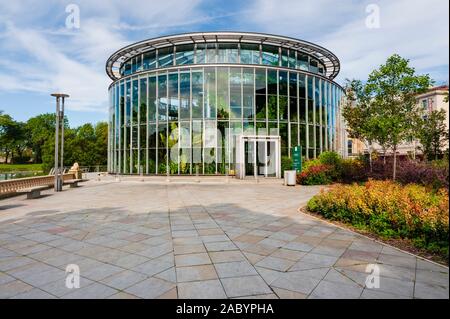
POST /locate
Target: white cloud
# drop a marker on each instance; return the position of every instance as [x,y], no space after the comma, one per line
[52,58]
[415,29]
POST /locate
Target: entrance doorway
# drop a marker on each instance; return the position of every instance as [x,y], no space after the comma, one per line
[258,156]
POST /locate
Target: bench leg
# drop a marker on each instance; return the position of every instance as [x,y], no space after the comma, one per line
[33,194]
[73,185]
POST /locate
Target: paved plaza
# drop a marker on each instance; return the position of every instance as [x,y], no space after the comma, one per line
[207,239]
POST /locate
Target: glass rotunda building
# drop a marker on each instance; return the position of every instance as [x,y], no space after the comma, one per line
[221,103]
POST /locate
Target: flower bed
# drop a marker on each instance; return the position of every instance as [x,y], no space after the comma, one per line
[390,210]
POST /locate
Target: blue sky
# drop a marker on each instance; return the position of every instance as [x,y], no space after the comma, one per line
[40,55]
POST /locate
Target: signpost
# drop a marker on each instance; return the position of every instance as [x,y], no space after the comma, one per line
[297,158]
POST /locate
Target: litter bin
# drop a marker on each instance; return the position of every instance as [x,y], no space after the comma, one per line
[290,178]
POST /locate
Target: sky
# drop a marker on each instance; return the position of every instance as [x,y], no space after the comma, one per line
[40,53]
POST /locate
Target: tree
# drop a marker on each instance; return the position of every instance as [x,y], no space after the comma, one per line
[393,88]
[433,134]
[357,113]
[12,137]
[40,129]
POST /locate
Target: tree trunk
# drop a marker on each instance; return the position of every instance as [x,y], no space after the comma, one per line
[394,170]
[384,156]
[370,158]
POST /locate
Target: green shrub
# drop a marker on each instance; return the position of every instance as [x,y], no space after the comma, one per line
[319,174]
[330,158]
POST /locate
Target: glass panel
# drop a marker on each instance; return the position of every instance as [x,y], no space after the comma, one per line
[165,57]
[301,85]
[292,61]
[152,135]
[143,113]
[249,53]
[313,66]
[249,158]
[284,134]
[149,61]
[260,90]
[303,138]
[128,103]
[197,94]
[173,97]
[162,97]
[139,66]
[172,143]
[318,135]
[162,143]
[270,55]
[210,93]
[248,128]
[127,68]
[185,90]
[294,134]
[302,61]
[310,111]
[293,112]
[261,128]
[223,111]
[282,98]
[311,139]
[211,55]
[184,54]
[284,57]
[302,110]
[260,106]
[185,148]
[283,83]
[272,108]
[317,99]
[222,146]
[283,107]
[152,98]
[209,161]
[200,53]
[272,103]
[135,102]
[260,81]
[272,82]
[248,93]
[228,53]
[235,93]
[151,161]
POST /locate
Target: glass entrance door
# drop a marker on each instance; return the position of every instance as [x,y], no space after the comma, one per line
[261,158]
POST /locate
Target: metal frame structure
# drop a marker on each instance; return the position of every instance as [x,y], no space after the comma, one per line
[328,59]
[317,131]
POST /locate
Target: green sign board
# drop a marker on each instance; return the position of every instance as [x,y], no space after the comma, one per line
[297,158]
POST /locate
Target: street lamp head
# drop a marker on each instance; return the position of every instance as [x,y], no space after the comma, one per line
[59,95]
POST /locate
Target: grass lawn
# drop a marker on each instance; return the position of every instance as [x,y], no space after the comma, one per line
[5,168]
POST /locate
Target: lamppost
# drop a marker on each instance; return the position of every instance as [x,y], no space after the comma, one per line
[59,122]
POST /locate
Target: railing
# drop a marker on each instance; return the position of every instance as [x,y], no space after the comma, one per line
[12,185]
[86,169]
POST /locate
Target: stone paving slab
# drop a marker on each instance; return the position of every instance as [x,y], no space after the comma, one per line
[213,239]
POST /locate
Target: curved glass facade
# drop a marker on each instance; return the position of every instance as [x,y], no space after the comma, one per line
[232,53]
[182,114]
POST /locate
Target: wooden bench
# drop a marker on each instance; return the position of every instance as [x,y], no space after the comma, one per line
[73,182]
[32,192]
